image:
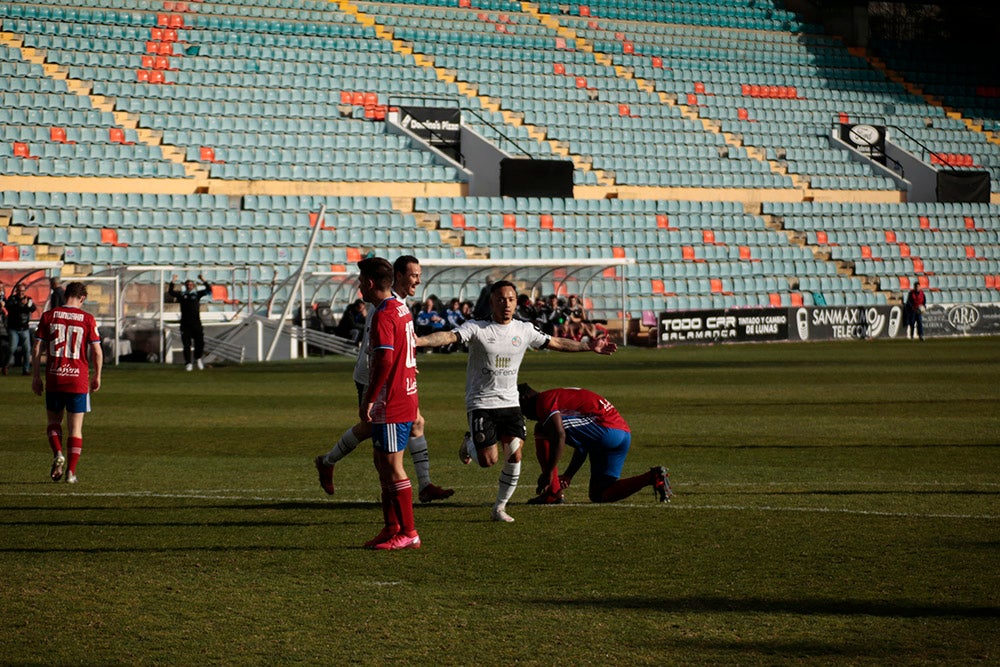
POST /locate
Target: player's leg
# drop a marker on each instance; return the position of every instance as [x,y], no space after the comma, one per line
[480,442]
[606,463]
[76,407]
[546,459]
[389,441]
[422,464]
[347,443]
[609,489]
[54,433]
[510,473]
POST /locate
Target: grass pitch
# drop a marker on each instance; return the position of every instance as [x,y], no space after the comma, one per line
[836,503]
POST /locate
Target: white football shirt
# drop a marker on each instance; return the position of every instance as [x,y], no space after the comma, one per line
[361,371]
[495,354]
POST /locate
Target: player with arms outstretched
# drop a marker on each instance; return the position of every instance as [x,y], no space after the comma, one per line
[66,334]
[496,348]
[593,427]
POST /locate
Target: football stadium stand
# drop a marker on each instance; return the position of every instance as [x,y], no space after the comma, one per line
[711,146]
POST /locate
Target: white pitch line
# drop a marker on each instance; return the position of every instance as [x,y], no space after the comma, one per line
[671,506]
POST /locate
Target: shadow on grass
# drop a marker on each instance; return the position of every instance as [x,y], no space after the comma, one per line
[803,607]
[858,492]
[839,445]
[222,505]
[774,647]
[214,548]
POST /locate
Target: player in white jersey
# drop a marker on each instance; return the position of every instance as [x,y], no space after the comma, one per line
[406,271]
[496,348]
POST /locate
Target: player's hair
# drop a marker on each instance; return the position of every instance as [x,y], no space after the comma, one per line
[76,289]
[500,284]
[377,269]
[403,261]
[527,404]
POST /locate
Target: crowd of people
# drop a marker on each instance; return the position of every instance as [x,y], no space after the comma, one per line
[564,317]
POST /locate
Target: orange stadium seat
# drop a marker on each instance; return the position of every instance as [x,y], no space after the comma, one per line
[58,135]
[21,149]
[116,135]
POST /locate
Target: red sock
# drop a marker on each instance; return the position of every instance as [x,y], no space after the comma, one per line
[402,498]
[389,512]
[75,447]
[54,432]
[624,488]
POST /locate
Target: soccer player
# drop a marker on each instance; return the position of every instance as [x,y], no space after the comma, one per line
[496,348]
[389,404]
[66,333]
[591,425]
[406,277]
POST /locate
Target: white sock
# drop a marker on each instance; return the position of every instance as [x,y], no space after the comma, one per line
[509,474]
[421,460]
[347,443]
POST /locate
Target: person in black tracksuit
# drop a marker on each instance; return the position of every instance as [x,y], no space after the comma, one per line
[191,329]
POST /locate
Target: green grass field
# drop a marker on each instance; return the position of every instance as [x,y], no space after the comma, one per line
[836,503]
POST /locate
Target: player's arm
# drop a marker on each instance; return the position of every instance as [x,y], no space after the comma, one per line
[575,463]
[378,376]
[600,346]
[96,356]
[554,432]
[438,339]
[36,365]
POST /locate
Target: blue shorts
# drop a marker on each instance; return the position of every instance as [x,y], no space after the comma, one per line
[607,455]
[57,401]
[391,438]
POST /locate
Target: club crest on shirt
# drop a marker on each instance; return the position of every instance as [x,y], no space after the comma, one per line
[516,341]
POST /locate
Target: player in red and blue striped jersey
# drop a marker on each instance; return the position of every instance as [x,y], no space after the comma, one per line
[593,427]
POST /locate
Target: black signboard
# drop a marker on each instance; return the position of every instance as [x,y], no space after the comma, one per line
[522,177]
[846,323]
[438,126]
[744,325]
[866,139]
[809,323]
[962,320]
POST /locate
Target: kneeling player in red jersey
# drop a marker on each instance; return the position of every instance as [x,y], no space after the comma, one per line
[591,425]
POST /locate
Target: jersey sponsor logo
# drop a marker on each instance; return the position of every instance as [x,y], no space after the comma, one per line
[502,367]
[66,371]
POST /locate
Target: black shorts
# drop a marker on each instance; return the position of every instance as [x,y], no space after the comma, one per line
[490,426]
